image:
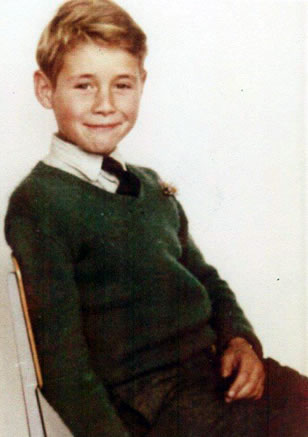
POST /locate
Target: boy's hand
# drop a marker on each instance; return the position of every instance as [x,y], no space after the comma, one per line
[248,383]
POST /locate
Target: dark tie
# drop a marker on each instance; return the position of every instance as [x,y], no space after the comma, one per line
[129,184]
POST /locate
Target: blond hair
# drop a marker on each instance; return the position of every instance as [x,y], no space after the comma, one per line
[78,21]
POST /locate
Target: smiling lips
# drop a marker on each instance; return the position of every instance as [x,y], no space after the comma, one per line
[102,126]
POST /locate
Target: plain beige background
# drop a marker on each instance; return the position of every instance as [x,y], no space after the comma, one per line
[223,118]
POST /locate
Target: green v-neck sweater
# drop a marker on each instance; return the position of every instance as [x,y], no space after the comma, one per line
[116,289]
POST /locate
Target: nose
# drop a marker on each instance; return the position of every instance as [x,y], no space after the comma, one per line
[103,102]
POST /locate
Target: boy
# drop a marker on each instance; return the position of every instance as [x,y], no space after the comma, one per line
[130,322]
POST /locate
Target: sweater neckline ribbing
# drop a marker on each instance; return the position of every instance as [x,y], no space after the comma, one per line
[75,180]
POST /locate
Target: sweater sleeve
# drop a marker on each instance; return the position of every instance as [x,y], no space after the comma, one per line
[227,318]
[70,384]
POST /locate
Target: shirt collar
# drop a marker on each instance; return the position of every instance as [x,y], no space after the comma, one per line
[89,164]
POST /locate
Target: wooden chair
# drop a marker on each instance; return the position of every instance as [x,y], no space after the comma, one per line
[42,419]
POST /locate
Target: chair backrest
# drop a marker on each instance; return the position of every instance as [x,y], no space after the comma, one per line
[28,373]
[42,419]
[24,305]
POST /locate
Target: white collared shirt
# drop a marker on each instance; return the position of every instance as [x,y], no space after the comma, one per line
[84,165]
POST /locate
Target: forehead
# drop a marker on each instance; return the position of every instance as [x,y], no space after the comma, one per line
[99,59]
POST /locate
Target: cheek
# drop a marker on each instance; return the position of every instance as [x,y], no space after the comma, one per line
[129,106]
[132,108]
[69,110]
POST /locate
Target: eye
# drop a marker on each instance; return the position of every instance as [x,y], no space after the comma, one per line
[123,86]
[83,86]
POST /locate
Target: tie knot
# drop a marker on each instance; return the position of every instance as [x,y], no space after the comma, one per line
[129,184]
[113,167]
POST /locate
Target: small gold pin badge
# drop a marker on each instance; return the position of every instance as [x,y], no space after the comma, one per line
[168,189]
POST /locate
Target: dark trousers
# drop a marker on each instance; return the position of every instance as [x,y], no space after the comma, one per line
[188,401]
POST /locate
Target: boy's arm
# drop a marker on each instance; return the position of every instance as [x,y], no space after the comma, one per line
[235,335]
[70,384]
[227,319]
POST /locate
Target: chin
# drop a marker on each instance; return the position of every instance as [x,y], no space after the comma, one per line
[99,149]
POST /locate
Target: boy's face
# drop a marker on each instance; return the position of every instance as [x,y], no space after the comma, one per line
[96,97]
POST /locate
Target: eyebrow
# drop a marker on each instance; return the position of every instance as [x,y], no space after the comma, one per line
[127,76]
[81,76]
[91,76]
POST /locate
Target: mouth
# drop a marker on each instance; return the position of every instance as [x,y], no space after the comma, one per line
[102,126]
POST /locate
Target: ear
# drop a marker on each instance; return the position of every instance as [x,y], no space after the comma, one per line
[43,89]
[144,74]
[143,78]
